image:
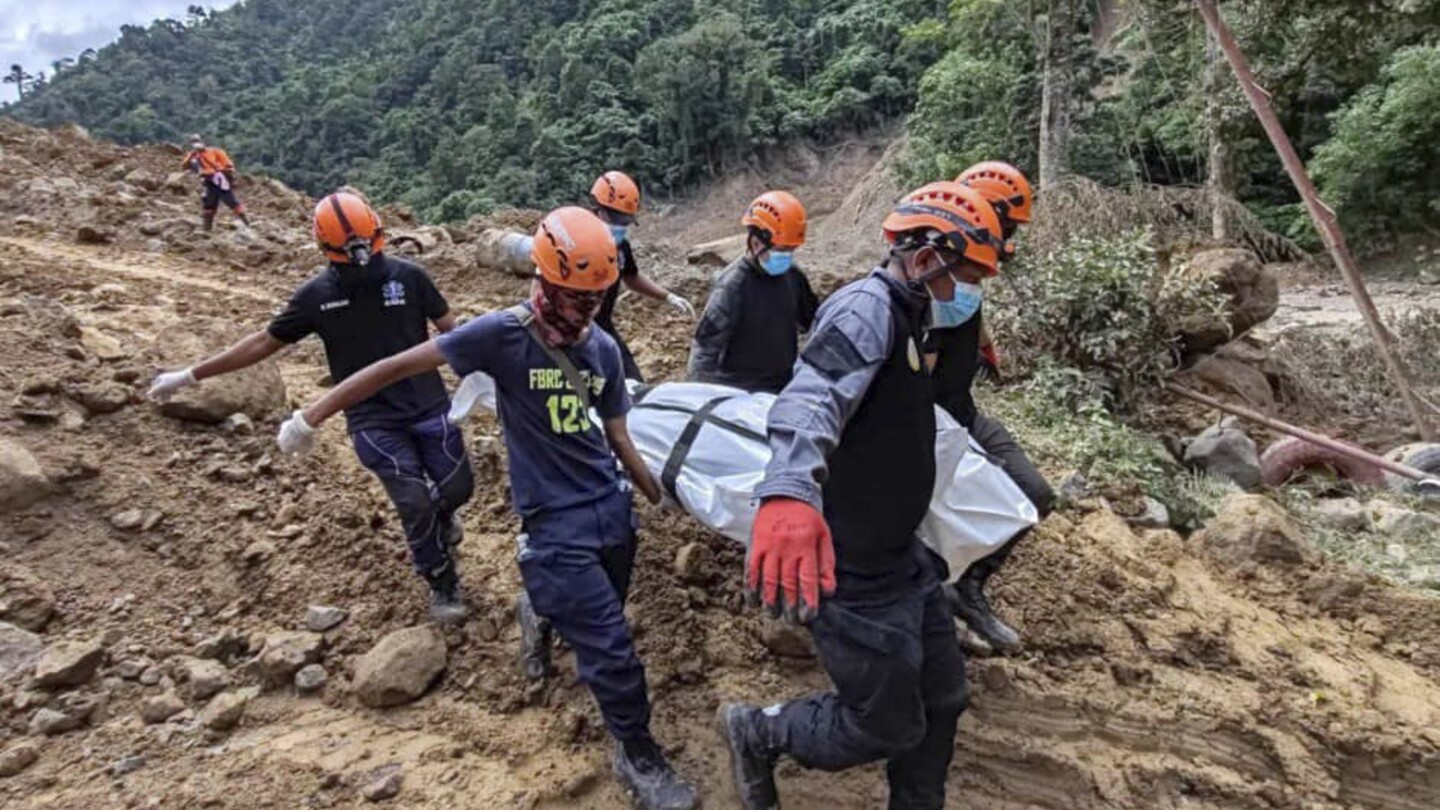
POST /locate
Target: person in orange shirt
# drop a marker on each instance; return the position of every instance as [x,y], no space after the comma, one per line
[217,175]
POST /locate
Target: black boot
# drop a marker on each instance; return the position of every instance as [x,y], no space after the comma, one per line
[535,640]
[752,763]
[649,779]
[447,605]
[207,221]
[968,602]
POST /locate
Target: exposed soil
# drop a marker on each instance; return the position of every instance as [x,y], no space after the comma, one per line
[1152,678]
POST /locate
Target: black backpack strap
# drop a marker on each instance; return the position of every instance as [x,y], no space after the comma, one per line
[560,357]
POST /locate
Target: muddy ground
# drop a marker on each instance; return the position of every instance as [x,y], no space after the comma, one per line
[1154,676]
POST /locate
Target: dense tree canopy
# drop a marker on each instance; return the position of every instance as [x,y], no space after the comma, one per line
[456,107]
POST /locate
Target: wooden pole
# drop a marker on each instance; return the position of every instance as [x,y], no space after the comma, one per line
[1324,218]
[1302,434]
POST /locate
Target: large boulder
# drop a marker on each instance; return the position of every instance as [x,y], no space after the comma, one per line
[1253,290]
[22,482]
[1226,451]
[718,253]
[24,600]
[400,668]
[69,663]
[1254,528]
[258,392]
[19,650]
[1233,378]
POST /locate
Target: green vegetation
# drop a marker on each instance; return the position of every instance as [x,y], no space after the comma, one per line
[458,107]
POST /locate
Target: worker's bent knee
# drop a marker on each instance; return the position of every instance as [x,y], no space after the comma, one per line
[458,488]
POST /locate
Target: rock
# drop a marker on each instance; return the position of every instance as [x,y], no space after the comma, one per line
[205,677]
[1253,289]
[25,601]
[101,345]
[132,668]
[49,722]
[1254,528]
[1226,451]
[286,652]
[161,707]
[91,235]
[258,552]
[1402,524]
[225,710]
[382,788]
[311,678]
[238,424]
[401,667]
[22,483]
[224,646]
[257,392]
[151,676]
[319,618]
[718,253]
[1074,487]
[68,663]
[102,399]
[15,759]
[128,520]
[129,764]
[786,641]
[19,650]
[1155,516]
[1344,514]
[234,474]
[692,563]
[1233,377]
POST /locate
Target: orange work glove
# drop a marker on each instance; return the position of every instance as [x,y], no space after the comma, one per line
[791,556]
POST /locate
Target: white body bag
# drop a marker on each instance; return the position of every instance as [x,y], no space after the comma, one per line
[706,445]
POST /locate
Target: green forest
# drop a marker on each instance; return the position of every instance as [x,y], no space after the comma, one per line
[458,107]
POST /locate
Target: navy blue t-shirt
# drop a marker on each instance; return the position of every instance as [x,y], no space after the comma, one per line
[558,457]
[364,315]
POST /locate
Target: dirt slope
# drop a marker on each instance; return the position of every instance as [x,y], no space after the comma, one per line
[1154,677]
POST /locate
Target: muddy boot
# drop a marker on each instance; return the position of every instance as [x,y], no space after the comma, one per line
[968,602]
[649,779]
[244,220]
[447,605]
[752,764]
[535,640]
[207,221]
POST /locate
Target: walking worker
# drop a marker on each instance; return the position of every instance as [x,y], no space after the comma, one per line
[366,306]
[616,200]
[852,469]
[749,335]
[956,347]
[217,180]
[552,371]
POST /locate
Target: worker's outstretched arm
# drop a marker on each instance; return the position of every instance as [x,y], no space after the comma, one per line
[791,562]
[244,353]
[617,433]
[368,381]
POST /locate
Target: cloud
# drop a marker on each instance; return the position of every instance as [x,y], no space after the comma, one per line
[35,34]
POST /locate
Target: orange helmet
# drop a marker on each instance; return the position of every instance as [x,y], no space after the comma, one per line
[348,229]
[780,216]
[1004,186]
[949,215]
[616,191]
[574,249]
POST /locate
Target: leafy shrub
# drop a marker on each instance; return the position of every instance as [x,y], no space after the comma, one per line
[1381,171]
[1101,308]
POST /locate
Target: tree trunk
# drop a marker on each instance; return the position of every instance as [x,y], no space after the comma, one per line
[1219,182]
[1057,92]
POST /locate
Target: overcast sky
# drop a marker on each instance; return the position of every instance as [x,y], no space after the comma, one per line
[34,33]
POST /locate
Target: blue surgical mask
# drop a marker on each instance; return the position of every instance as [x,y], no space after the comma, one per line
[958,310]
[620,233]
[778,262]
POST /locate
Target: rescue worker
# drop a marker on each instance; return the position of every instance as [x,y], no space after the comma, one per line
[852,441]
[749,335]
[579,544]
[958,349]
[217,180]
[616,201]
[366,306]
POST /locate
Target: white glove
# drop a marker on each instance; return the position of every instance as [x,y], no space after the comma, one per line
[471,391]
[166,384]
[679,302]
[296,436]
